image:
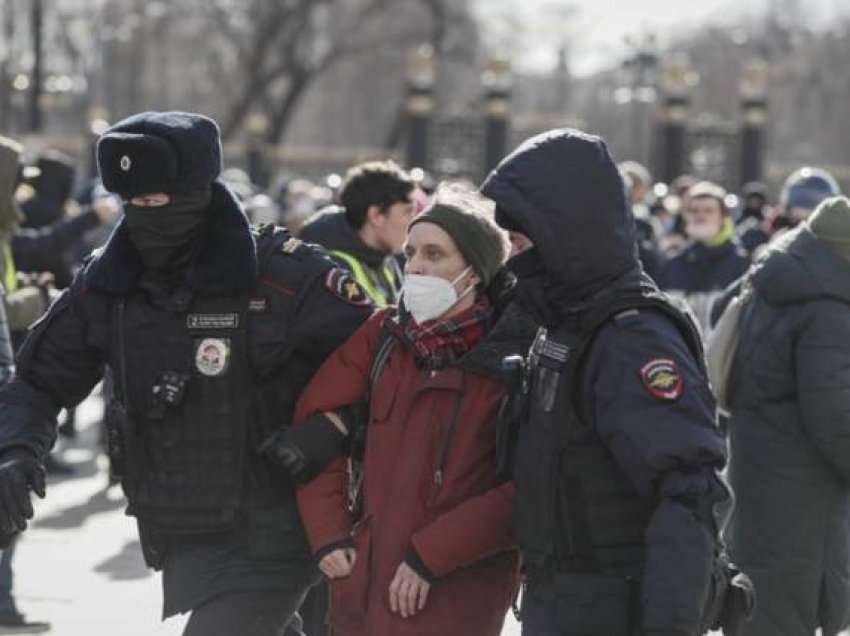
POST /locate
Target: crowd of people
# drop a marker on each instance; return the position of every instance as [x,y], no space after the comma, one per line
[391,404]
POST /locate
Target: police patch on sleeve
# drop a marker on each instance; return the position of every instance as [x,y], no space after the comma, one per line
[662,379]
[212,356]
[342,284]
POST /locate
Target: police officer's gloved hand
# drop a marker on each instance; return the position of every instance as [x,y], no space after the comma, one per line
[20,472]
[305,450]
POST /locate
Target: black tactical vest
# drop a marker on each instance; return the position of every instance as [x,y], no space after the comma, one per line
[576,510]
[199,384]
[184,377]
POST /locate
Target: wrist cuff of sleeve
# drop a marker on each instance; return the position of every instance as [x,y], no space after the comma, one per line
[325,550]
[331,427]
[415,562]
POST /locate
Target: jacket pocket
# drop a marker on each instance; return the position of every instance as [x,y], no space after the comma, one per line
[349,601]
[594,605]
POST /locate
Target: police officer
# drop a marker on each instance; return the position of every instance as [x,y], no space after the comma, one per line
[366,234]
[616,465]
[211,329]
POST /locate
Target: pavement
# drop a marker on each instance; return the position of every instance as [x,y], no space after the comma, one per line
[80,566]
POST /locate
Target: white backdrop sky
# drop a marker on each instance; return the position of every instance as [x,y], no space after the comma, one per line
[531,30]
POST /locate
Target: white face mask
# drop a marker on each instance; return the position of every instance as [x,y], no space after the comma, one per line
[428,297]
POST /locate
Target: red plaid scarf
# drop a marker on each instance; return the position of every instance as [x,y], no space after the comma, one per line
[437,344]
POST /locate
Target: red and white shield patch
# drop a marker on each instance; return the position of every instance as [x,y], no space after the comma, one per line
[662,379]
[342,285]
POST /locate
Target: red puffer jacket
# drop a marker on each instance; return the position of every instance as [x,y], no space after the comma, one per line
[428,485]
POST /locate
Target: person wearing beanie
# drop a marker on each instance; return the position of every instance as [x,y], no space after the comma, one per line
[481,242]
[712,260]
[210,329]
[788,432]
[617,455]
[433,541]
[801,193]
[830,222]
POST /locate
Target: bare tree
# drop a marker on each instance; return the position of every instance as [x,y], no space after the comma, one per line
[281,47]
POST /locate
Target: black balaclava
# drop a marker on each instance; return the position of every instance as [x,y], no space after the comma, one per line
[532,283]
[168,236]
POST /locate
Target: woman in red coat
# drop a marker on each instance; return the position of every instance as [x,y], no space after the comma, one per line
[432,551]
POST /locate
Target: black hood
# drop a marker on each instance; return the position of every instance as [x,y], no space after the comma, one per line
[799,267]
[564,190]
[329,228]
[226,262]
[40,211]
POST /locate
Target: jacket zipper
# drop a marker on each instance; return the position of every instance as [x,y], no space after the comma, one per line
[445,441]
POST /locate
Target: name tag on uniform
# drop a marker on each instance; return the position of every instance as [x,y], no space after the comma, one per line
[212,321]
[258,305]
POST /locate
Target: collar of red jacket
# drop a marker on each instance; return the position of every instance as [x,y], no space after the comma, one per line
[438,343]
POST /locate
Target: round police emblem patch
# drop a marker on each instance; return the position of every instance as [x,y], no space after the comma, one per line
[212,357]
[126,163]
[662,379]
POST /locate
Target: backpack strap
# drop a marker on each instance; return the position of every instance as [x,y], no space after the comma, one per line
[570,345]
[592,322]
[385,344]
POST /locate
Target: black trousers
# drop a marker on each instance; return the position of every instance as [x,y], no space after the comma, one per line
[315,609]
[586,605]
[248,614]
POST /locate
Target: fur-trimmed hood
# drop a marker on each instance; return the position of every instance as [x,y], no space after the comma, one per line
[226,263]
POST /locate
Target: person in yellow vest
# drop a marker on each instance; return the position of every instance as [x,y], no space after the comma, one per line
[366,232]
[24,304]
[28,295]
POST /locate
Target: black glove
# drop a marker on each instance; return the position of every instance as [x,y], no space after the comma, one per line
[20,472]
[305,450]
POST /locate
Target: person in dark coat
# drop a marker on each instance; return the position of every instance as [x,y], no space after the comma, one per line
[753,224]
[801,193]
[617,462]
[51,186]
[789,432]
[714,258]
[23,304]
[211,330]
[365,234]
[47,234]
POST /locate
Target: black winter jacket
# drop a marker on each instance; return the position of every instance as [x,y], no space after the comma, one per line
[700,273]
[563,189]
